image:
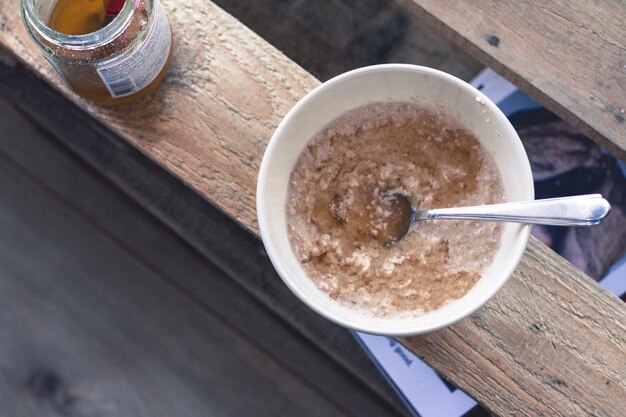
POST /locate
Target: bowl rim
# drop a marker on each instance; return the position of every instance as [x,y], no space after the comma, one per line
[275,258]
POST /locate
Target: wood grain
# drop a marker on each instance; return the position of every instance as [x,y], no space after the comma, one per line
[568,55]
[219,239]
[550,343]
[226,91]
[335,36]
[209,124]
[89,329]
[347,378]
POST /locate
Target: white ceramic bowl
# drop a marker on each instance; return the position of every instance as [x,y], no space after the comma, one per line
[392,82]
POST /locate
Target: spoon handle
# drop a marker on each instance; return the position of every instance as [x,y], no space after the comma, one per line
[582,210]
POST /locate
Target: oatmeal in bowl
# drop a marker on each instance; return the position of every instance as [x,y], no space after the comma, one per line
[326,199]
[336,212]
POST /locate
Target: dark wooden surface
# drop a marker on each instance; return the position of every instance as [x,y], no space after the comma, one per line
[569,55]
[335,36]
[104,311]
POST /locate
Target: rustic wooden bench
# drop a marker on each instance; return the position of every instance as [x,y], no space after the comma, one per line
[568,56]
[552,342]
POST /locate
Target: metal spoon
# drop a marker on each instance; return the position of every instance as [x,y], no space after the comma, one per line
[582,210]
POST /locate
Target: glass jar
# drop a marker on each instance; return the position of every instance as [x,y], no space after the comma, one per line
[122,61]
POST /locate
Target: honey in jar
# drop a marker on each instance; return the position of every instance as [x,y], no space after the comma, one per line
[78,17]
[107,57]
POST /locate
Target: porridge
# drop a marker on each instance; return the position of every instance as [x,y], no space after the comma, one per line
[341,204]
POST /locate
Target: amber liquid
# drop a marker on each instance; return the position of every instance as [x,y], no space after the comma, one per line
[80,17]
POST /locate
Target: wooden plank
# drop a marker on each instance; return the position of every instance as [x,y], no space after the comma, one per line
[88,329]
[241,82]
[198,159]
[335,36]
[550,343]
[568,55]
[111,213]
[208,230]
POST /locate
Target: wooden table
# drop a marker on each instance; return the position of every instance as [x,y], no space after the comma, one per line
[552,342]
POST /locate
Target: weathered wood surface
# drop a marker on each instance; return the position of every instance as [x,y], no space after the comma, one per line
[220,104]
[226,92]
[335,36]
[568,55]
[88,329]
[550,343]
[218,238]
[45,189]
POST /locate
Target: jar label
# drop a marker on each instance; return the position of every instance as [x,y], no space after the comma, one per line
[131,72]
